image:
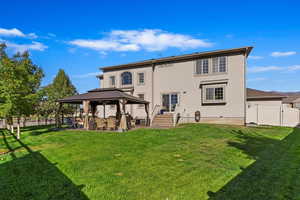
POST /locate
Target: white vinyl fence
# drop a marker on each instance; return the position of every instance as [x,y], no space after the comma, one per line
[272,115]
[29,123]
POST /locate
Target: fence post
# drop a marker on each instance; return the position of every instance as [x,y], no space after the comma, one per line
[257,114]
[280,116]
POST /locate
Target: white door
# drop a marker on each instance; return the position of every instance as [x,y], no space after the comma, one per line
[169,102]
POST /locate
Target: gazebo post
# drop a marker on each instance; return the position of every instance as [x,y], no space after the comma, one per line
[86,105]
[118,113]
[147,112]
[104,110]
[104,96]
[93,109]
[123,123]
[58,121]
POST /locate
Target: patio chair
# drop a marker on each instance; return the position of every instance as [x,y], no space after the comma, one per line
[79,123]
[100,124]
[92,124]
[111,123]
[73,123]
[132,123]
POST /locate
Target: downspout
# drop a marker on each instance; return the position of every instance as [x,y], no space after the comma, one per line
[152,88]
[245,88]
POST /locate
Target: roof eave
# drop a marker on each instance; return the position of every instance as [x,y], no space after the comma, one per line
[246,50]
[266,97]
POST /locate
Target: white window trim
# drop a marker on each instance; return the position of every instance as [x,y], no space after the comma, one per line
[210,67]
[121,81]
[138,78]
[141,105]
[214,101]
[226,65]
[109,81]
[178,97]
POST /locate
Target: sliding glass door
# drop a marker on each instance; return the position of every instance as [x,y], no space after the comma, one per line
[169,101]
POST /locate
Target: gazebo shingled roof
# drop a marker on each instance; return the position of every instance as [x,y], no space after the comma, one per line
[100,95]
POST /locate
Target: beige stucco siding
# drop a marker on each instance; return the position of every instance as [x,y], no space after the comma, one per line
[145,89]
[179,77]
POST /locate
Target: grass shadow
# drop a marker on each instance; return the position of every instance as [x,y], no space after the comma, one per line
[33,176]
[38,130]
[274,175]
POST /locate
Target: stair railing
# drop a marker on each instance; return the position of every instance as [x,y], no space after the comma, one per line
[155,111]
[177,110]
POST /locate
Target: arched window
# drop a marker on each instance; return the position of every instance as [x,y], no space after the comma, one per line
[126,78]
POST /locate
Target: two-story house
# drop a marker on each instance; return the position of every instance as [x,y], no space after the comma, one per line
[207,87]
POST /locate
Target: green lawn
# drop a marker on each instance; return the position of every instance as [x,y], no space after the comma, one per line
[190,162]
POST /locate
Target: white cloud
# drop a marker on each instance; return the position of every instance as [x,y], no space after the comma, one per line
[135,40]
[293,68]
[51,35]
[32,36]
[16,33]
[258,69]
[256,79]
[281,54]
[11,32]
[103,53]
[103,45]
[71,50]
[37,46]
[229,36]
[263,69]
[87,75]
[255,57]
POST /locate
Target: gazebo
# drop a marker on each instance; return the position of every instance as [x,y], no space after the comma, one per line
[105,96]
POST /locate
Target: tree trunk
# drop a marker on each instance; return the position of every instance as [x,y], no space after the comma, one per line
[24,121]
[12,128]
[46,120]
[38,120]
[62,118]
[3,123]
[18,129]
[57,120]
[57,114]
[7,124]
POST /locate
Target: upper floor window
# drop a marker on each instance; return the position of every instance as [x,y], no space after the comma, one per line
[141,96]
[219,64]
[126,78]
[214,94]
[216,65]
[112,81]
[141,78]
[112,106]
[202,66]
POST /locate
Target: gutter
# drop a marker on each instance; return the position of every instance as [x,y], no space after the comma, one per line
[245,87]
[246,50]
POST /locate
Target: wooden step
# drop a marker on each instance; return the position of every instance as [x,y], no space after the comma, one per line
[163,121]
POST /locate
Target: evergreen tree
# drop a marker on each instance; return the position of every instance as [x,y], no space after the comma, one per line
[61,87]
[44,107]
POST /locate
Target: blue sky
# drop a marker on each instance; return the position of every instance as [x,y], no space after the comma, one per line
[81,36]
